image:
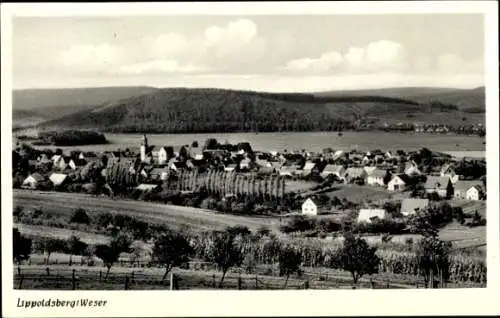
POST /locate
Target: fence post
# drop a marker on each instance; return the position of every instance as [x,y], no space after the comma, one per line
[18,270]
[171,281]
[256,282]
[239,282]
[126,282]
[48,271]
[213,281]
[73,279]
[132,277]
[21,278]
[306,284]
[100,275]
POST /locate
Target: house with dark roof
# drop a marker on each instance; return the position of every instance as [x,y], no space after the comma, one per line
[376,177]
[461,187]
[440,185]
[398,182]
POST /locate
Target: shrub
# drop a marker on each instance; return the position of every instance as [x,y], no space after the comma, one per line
[328,225]
[104,219]
[17,213]
[21,246]
[298,223]
[171,249]
[80,216]
[289,262]
[208,204]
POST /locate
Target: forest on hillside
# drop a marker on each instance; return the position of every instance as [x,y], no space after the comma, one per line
[214,110]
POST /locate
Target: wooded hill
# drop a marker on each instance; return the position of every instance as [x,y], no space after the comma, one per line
[183,110]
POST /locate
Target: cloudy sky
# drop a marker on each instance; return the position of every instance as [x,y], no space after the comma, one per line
[272,53]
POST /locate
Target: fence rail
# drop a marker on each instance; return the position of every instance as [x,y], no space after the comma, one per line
[83,279]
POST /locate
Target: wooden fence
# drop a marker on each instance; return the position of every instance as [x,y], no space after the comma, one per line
[72,279]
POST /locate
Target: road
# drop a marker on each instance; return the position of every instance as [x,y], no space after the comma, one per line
[66,203]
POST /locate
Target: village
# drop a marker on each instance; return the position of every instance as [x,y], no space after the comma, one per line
[417,178]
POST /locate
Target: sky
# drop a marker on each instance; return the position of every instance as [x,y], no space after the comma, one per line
[269,53]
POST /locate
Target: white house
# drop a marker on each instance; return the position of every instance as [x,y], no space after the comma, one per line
[306,170]
[448,171]
[397,183]
[475,193]
[309,207]
[32,181]
[230,167]
[411,168]
[376,177]
[162,155]
[411,206]
[336,170]
[58,178]
[146,187]
[461,187]
[366,215]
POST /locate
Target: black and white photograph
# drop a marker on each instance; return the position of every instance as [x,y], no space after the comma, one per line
[239,152]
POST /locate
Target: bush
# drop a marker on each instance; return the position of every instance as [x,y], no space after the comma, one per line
[386,226]
[298,223]
[328,225]
[104,219]
[80,216]
[208,204]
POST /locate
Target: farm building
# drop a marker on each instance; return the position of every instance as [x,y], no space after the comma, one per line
[58,179]
[475,193]
[410,206]
[367,215]
[309,207]
[376,177]
[398,183]
[440,185]
[32,181]
[461,187]
[336,170]
[448,171]
[353,173]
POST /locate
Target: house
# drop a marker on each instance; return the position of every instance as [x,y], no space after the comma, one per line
[398,182]
[77,163]
[411,206]
[65,162]
[245,164]
[335,170]
[448,171]
[475,193]
[177,165]
[461,187]
[147,187]
[307,169]
[58,179]
[32,181]
[289,171]
[353,173]
[440,185]
[55,159]
[338,154]
[376,177]
[231,167]
[158,174]
[162,155]
[411,168]
[369,169]
[309,207]
[367,215]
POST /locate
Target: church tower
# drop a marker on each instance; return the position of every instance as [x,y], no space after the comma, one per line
[144,148]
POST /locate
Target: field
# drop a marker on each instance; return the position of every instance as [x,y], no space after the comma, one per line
[60,203]
[359,194]
[312,141]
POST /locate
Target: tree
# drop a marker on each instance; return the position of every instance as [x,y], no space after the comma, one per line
[49,246]
[357,257]
[108,255]
[432,257]
[21,247]
[224,251]
[210,143]
[289,262]
[171,249]
[80,216]
[75,247]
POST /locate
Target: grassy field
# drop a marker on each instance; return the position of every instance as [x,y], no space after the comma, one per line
[53,232]
[360,194]
[64,204]
[298,186]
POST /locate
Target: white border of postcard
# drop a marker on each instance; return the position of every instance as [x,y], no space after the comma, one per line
[256,303]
